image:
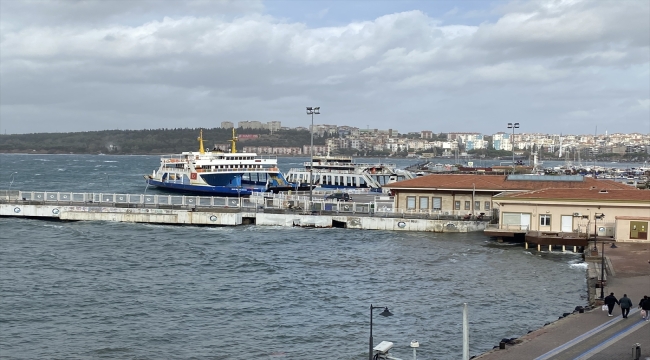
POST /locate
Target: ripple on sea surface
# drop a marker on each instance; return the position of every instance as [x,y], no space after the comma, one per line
[117,290]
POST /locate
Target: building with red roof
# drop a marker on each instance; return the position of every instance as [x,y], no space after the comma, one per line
[462,194]
[621,215]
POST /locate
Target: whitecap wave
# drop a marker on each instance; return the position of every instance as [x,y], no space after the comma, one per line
[580,266]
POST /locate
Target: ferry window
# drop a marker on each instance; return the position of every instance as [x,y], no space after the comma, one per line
[424,203]
[487,206]
[477,205]
[545,220]
[457,205]
[410,202]
[437,203]
[467,205]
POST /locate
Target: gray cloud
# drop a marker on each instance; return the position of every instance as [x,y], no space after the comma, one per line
[551,65]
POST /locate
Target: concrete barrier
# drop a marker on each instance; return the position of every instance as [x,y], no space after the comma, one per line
[227,217]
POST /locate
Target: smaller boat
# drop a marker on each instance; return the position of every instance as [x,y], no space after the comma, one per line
[341,172]
[218,172]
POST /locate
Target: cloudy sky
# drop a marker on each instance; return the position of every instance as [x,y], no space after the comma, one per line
[553,66]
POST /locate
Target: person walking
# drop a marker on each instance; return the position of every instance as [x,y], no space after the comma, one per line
[644,304]
[610,301]
[626,304]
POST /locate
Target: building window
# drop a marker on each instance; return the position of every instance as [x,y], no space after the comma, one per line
[410,202]
[437,203]
[457,205]
[545,220]
[467,203]
[424,203]
[487,206]
[477,205]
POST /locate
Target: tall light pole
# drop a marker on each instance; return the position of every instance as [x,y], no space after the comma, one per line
[512,142]
[597,217]
[602,272]
[311,111]
[383,313]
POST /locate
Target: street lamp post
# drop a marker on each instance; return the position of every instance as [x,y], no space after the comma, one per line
[602,272]
[383,313]
[512,142]
[602,254]
[597,217]
[311,111]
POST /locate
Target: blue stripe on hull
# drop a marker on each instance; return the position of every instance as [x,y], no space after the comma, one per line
[211,190]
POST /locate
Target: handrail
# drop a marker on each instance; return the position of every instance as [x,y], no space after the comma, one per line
[254,203]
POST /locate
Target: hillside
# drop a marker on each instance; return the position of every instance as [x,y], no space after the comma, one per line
[155,141]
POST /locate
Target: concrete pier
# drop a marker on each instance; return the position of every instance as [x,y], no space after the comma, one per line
[264,210]
[589,333]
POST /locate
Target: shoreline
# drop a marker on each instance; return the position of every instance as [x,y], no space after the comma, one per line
[618,161]
[628,267]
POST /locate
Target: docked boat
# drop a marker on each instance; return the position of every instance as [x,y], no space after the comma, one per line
[341,172]
[218,172]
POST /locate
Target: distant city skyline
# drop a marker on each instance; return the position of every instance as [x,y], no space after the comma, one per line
[444,66]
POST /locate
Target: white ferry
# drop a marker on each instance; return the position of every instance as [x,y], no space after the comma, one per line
[218,172]
[340,172]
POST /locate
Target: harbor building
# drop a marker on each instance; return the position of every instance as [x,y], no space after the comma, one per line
[621,215]
[473,194]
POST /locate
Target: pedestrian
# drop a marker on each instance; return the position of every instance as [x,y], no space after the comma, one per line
[644,304]
[610,301]
[626,304]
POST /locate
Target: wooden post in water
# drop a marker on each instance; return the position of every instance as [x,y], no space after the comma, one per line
[465,333]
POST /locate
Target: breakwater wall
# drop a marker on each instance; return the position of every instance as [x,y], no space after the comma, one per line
[268,210]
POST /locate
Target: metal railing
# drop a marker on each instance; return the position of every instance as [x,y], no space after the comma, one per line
[297,202]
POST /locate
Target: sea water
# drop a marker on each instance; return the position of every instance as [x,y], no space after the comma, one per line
[86,290]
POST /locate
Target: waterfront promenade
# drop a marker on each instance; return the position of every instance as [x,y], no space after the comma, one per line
[592,334]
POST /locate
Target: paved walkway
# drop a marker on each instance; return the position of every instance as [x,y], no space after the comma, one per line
[594,335]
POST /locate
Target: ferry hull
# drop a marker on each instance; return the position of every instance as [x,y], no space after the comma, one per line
[204,189]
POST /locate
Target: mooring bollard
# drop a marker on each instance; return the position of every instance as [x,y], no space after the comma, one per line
[502,345]
[636,351]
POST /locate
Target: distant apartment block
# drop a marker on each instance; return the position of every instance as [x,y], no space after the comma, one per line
[251,125]
[227,125]
[475,145]
[274,125]
[318,149]
[501,141]
[426,134]
[269,150]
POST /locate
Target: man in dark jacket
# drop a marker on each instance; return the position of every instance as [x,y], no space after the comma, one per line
[610,301]
[626,304]
[644,304]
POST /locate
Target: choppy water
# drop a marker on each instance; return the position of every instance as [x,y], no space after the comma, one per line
[138,291]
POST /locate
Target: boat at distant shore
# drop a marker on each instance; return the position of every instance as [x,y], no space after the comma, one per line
[341,172]
[219,172]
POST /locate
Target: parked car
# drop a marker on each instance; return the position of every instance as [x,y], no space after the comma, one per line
[339,197]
